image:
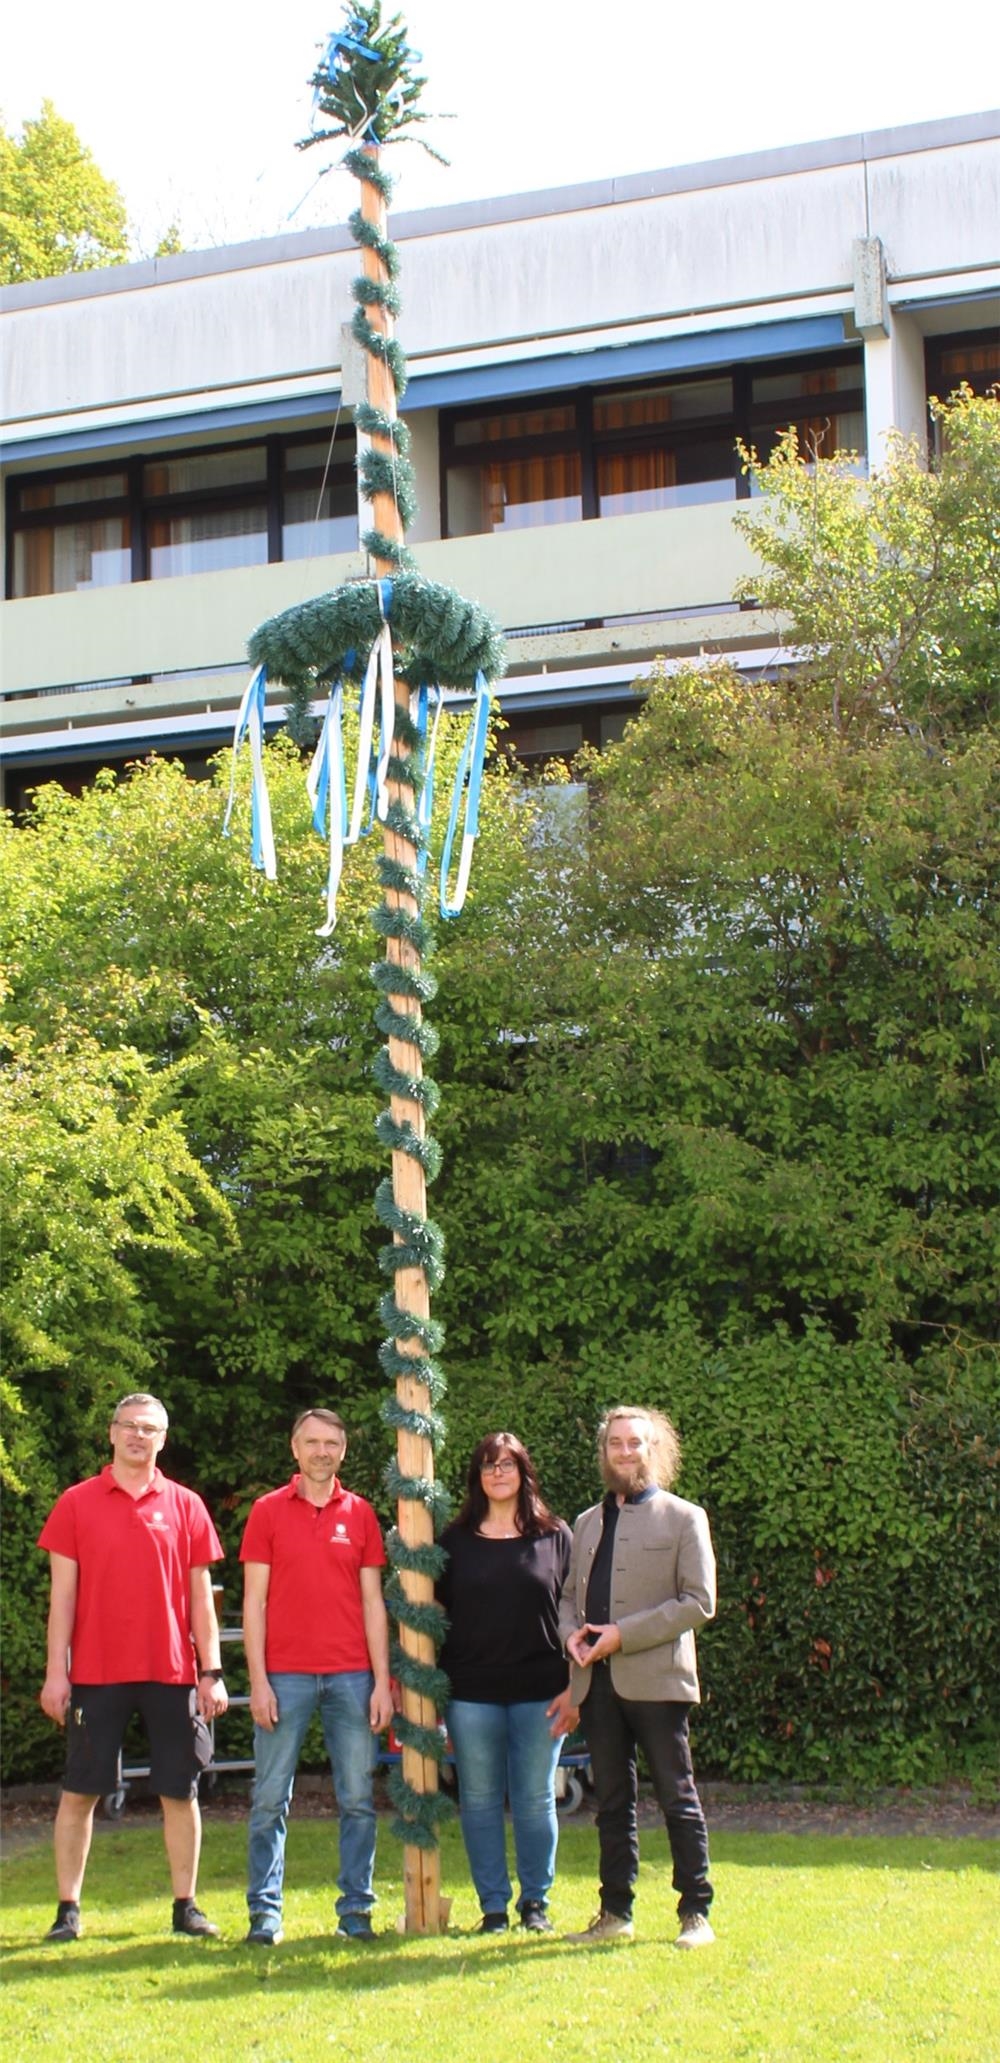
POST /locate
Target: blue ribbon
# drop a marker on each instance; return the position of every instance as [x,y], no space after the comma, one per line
[343,47]
[468,783]
[250,719]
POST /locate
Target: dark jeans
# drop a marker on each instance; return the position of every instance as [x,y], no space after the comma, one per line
[614,1727]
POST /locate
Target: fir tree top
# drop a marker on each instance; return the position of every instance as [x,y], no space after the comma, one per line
[366,83]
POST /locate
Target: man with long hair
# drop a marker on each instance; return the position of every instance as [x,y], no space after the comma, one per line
[641,1579]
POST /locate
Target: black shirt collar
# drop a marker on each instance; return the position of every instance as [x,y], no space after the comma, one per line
[639,1497]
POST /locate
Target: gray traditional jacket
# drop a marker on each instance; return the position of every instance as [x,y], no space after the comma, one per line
[662,1587]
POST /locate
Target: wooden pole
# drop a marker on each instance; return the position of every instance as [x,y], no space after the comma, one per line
[422,1875]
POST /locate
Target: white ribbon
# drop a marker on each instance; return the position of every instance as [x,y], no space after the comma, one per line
[377,673]
[468,781]
[326,781]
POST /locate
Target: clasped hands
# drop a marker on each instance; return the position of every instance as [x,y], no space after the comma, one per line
[593,1644]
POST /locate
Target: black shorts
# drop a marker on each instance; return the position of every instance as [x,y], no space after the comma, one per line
[180,1745]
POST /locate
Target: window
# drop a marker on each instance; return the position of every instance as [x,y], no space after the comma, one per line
[825,403]
[973,359]
[319,501]
[535,479]
[170,514]
[625,450]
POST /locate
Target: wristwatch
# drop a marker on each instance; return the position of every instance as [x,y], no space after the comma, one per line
[215,1674]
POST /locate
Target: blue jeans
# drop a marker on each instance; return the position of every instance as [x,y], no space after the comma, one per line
[506,1750]
[342,1702]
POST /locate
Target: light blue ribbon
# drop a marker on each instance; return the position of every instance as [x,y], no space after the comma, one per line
[326,785]
[327,778]
[468,783]
[250,722]
[341,45]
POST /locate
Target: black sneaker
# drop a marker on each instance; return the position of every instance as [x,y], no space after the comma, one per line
[66,1925]
[189,1919]
[534,1918]
[493,1923]
[264,1932]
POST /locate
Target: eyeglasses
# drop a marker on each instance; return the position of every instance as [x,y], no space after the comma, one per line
[134,1425]
[506,1467]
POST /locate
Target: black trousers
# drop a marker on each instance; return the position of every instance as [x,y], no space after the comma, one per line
[614,1728]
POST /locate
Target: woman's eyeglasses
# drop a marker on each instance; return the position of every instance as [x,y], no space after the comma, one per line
[506,1467]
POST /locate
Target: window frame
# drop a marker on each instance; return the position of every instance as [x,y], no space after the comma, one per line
[746,421]
[139,509]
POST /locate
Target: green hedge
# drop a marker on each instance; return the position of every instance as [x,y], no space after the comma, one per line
[720,1070]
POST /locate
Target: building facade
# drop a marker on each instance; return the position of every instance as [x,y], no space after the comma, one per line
[178,456]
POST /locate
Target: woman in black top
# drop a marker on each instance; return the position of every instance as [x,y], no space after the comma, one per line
[508,1558]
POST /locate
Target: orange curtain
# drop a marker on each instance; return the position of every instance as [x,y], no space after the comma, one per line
[643,476]
[523,493]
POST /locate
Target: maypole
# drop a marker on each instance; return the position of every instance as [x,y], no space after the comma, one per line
[419,635]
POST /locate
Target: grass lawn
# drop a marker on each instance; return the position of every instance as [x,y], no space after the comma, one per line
[829,1947]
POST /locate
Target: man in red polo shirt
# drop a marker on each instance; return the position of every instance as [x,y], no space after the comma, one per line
[131,1602]
[317,1640]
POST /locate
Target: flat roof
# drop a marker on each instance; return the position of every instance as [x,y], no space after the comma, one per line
[866,146]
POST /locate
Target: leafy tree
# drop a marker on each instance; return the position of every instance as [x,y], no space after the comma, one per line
[719,1062]
[58,213]
[893,589]
[753,1153]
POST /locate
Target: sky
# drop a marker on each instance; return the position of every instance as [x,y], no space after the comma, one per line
[194,108]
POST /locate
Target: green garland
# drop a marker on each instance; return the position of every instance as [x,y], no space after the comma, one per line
[436,637]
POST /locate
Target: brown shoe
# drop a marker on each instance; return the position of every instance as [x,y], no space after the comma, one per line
[604,1927]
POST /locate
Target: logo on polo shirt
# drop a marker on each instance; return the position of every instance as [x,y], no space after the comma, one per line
[156,1518]
[340,1536]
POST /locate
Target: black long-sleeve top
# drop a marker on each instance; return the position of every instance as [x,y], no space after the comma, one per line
[502,1598]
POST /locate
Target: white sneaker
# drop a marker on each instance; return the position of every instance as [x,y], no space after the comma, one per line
[696,1931]
[604,1927]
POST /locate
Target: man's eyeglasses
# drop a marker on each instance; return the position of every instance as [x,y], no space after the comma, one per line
[134,1425]
[506,1467]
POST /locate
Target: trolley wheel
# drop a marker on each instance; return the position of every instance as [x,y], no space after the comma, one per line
[572,1797]
[115,1802]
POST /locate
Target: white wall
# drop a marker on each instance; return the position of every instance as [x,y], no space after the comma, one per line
[676,559]
[713,253]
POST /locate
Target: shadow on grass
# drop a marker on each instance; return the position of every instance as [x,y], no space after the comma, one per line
[232,1970]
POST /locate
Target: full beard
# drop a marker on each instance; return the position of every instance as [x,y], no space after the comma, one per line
[625,1482]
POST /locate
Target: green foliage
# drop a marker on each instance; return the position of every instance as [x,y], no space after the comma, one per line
[58,213]
[365,83]
[738,1152]
[190,1178]
[892,584]
[171,243]
[719,1078]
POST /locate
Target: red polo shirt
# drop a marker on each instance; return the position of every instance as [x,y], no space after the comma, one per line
[134,1557]
[315,1553]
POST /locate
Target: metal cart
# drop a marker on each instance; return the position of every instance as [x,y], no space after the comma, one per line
[128,1773]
